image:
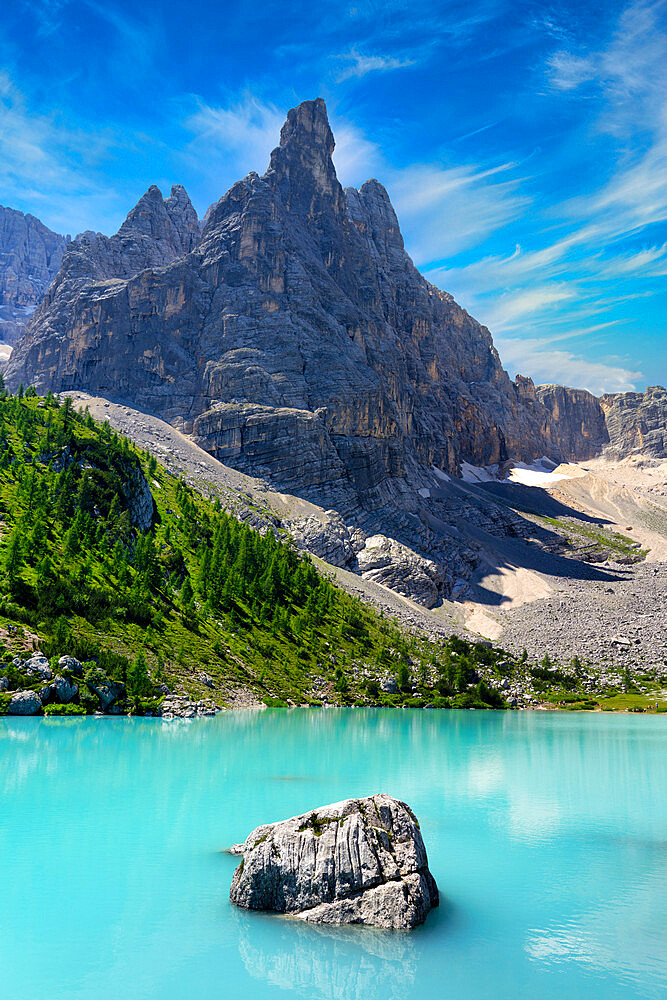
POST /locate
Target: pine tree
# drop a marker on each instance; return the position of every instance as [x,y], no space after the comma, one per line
[138,678]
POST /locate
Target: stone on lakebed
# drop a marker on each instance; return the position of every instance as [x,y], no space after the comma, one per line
[360,861]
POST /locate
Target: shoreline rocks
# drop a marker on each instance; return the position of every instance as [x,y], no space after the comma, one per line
[180,707]
[359,861]
[25,703]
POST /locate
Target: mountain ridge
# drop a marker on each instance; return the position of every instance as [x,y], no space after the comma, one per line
[30,257]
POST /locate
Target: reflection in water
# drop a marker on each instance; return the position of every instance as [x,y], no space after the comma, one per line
[625,935]
[329,963]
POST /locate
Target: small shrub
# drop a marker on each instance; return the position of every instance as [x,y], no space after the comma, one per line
[69,709]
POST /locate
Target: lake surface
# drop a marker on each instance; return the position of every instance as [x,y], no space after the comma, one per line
[546,833]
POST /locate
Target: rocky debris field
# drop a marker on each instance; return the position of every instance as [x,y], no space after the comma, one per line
[615,624]
[360,861]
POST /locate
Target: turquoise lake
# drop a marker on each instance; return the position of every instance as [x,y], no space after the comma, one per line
[546,833]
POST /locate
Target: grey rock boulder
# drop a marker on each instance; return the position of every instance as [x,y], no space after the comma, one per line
[25,703]
[180,707]
[38,665]
[108,692]
[360,861]
[64,690]
[70,663]
[386,561]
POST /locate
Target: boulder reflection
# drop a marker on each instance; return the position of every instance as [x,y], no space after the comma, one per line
[326,962]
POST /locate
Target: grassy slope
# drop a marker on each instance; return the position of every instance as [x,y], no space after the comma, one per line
[212,607]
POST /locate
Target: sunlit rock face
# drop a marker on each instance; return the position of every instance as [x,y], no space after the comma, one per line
[616,425]
[575,425]
[636,422]
[30,256]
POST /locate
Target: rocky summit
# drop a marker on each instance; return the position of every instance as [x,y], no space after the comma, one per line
[361,861]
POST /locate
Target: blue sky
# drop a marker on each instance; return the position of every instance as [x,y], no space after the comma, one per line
[524,144]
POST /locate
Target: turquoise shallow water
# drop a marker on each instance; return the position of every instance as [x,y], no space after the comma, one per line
[547,835]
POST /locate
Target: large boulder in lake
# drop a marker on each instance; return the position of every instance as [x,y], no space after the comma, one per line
[361,861]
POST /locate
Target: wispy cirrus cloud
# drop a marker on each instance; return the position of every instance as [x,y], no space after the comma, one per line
[243,131]
[560,281]
[51,166]
[358,64]
[448,209]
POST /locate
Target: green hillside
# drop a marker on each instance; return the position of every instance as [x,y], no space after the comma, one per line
[107,557]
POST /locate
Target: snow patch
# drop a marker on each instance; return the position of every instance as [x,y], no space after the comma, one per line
[537,474]
[478,473]
[424,493]
[542,472]
[440,474]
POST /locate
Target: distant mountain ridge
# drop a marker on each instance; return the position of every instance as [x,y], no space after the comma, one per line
[30,257]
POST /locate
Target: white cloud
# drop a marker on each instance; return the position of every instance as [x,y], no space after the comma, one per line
[567,71]
[355,157]
[447,209]
[538,358]
[356,64]
[513,307]
[244,132]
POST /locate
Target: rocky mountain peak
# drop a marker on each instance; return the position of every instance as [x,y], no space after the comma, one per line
[371,211]
[143,218]
[183,216]
[301,165]
[307,126]
[172,222]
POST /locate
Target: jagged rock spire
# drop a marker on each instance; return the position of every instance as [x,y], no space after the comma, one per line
[172,222]
[302,166]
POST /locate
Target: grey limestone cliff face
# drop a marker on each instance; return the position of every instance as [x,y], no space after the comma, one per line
[360,861]
[575,427]
[581,426]
[636,422]
[30,257]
